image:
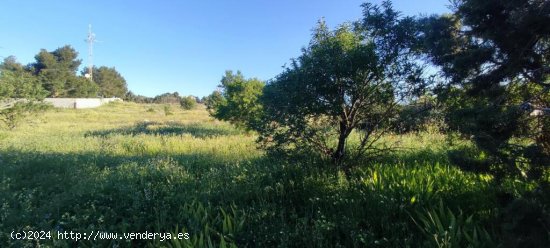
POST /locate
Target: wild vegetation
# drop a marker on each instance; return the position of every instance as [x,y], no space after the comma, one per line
[390,131]
[122,167]
[22,88]
[56,73]
[174,98]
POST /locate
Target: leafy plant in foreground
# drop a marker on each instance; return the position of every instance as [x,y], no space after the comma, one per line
[445,229]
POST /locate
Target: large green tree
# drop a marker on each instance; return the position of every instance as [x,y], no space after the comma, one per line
[111,83]
[51,76]
[346,80]
[56,71]
[494,56]
[82,87]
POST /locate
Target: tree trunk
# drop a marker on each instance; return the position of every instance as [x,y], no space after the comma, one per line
[339,154]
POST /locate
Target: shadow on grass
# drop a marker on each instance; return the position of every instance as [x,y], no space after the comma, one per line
[170,128]
[46,190]
[76,191]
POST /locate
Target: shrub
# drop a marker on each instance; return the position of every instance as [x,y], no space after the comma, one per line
[238,101]
[188,102]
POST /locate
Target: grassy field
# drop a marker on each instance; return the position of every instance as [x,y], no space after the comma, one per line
[128,167]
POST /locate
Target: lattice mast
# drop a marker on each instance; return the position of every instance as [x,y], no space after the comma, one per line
[90,40]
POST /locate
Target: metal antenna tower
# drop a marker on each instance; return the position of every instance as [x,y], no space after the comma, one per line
[91,40]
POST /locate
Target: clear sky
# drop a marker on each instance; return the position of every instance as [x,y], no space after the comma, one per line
[185,46]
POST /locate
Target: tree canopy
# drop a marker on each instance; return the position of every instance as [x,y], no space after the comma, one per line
[494,58]
[56,70]
[110,81]
[346,80]
[237,101]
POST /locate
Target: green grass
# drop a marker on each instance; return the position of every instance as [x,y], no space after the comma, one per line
[128,167]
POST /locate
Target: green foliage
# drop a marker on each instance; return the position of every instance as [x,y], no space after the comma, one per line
[208,229]
[110,82]
[56,71]
[188,102]
[62,59]
[499,65]
[238,101]
[83,87]
[445,229]
[424,114]
[346,80]
[107,169]
[213,100]
[126,168]
[170,98]
[20,95]
[165,98]
[131,97]
[10,64]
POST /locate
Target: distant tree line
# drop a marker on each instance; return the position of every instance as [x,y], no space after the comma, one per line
[53,74]
[57,72]
[186,102]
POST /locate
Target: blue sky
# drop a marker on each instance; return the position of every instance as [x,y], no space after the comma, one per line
[185,46]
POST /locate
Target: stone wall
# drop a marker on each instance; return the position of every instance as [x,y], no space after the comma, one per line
[79,103]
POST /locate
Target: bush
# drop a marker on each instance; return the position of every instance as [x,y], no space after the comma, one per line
[238,101]
[188,102]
